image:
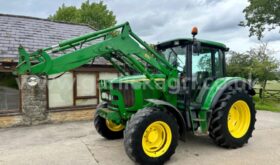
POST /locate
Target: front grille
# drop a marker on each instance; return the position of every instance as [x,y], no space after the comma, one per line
[127,93]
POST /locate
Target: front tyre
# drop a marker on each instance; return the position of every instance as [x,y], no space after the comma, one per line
[233,119]
[151,136]
[107,128]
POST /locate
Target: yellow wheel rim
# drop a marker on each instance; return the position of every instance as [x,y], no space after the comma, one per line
[114,127]
[239,119]
[156,139]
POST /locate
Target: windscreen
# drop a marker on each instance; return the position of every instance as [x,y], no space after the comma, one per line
[176,56]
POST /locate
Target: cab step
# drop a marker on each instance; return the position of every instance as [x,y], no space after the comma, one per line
[198,120]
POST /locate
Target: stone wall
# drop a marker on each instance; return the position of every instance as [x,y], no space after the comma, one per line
[66,116]
[11,121]
[34,101]
[34,108]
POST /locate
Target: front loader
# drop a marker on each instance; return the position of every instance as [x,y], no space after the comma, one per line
[165,90]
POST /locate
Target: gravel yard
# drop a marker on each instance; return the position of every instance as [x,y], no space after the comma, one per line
[78,143]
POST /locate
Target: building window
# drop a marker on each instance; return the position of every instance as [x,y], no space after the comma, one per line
[9,93]
[76,89]
[86,90]
[60,91]
[107,75]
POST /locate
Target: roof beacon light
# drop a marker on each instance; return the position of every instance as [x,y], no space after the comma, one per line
[194,31]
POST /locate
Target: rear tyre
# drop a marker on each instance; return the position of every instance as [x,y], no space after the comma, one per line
[233,119]
[151,136]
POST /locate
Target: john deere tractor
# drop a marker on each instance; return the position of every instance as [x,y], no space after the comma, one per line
[165,90]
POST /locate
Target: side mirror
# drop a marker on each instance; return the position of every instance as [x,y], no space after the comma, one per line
[196,47]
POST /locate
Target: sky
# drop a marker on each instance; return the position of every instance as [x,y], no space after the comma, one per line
[159,20]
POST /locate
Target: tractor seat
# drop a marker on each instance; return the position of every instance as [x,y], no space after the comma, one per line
[195,106]
[200,78]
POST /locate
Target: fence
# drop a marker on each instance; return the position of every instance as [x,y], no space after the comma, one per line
[268,94]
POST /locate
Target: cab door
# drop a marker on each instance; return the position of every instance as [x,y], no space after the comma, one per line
[207,66]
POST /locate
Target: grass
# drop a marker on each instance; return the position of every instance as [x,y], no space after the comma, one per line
[268,104]
[273,85]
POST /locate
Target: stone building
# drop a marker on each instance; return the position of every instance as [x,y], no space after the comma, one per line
[73,96]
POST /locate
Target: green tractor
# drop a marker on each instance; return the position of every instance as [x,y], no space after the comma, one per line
[166,90]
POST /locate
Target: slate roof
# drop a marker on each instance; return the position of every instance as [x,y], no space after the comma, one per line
[35,33]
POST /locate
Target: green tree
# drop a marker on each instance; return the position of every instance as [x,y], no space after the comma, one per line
[261,15]
[94,14]
[239,65]
[66,14]
[264,65]
[278,75]
[258,63]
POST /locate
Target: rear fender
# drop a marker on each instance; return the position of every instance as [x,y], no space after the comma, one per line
[220,86]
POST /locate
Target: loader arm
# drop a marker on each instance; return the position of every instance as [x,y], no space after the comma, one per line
[123,47]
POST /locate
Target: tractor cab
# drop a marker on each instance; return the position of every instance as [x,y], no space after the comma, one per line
[199,62]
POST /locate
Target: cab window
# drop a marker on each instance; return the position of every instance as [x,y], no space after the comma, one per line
[208,61]
[176,56]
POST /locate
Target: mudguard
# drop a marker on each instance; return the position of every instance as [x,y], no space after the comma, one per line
[220,86]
